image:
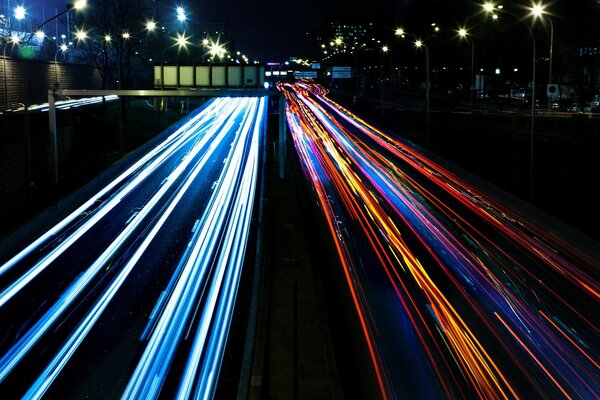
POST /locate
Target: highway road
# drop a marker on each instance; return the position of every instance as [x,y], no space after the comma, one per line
[132,294]
[459,291]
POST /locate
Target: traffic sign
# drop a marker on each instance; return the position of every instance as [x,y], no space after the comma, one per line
[553,91]
[341,72]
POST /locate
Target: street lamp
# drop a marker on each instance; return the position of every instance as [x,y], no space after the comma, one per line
[20,13]
[490,7]
[464,34]
[384,50]
[539,11]
[74,5]
[150,25]
[181,17]
[63,48]
[420,44]
[14,41]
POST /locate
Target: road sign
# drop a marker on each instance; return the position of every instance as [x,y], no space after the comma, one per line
[552,91]
[305,74]
[341,72]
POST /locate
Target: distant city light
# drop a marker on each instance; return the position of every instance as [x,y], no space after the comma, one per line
[20,12]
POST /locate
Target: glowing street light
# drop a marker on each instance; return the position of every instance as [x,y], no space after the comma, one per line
[216,49]
[107,38]
[79,4]
[40,35]
[384,49]
[80,35]
[181,17]
[150,25]
[63,48]
[126,35]
[182,40]
[20,13]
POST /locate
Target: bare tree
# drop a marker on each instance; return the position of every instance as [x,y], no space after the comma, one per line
[114,31]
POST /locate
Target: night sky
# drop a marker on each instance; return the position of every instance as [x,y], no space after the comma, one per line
[273,29]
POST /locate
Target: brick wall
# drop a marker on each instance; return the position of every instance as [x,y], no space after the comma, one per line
[38,77]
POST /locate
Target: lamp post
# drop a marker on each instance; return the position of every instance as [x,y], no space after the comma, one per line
[384,50]
[63,48]
[14,40]
[464,34]
[418,43]
[74,5]
[490,8]
[539,11]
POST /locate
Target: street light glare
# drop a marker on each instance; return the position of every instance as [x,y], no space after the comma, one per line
[79,4]
[14,39]
[489,7]
[399,32]
[181,14]
[385,49]
[150,25]
[107,38]
[126,35]
[64,47]
[80,35]
[537,10]
[182,41]
[462,32]
[40,34]
[418,43]
[20,12]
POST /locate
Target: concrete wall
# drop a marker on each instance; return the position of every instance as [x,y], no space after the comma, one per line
[38,77]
